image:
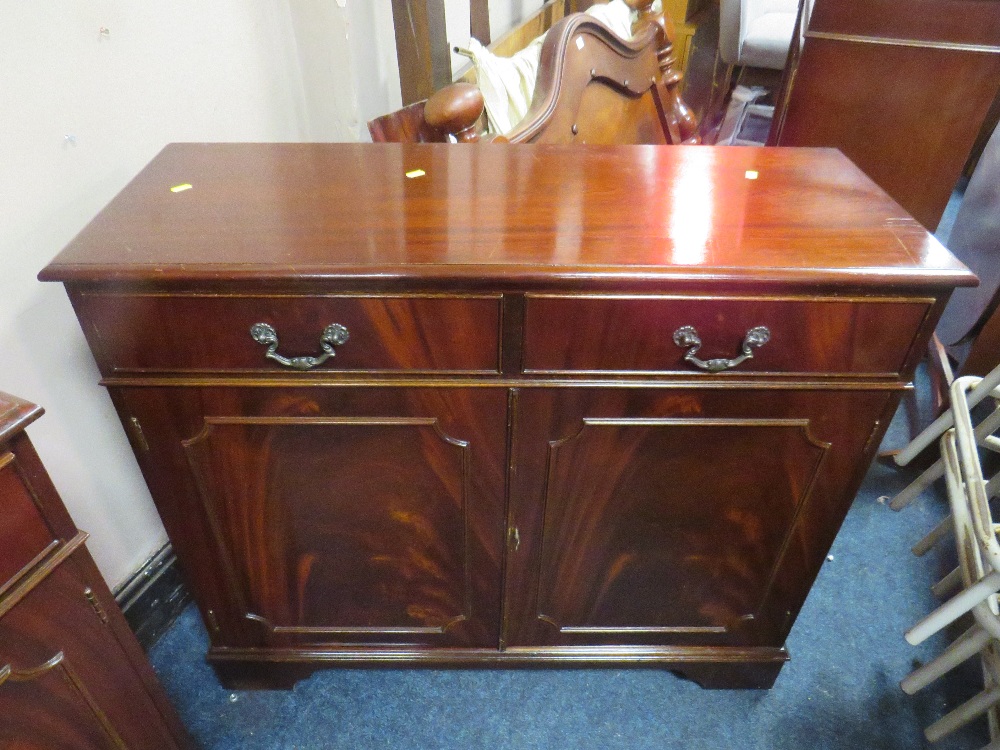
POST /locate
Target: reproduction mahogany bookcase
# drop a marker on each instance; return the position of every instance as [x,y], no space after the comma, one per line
[419,404]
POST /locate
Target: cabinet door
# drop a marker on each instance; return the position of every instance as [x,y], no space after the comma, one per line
[677,516]
[333,515]
[65,682]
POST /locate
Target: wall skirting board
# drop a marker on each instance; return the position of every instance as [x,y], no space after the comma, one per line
[153,597]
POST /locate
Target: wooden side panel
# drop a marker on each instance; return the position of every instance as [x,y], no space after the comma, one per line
[66,689]
[676,516]
[343,515]
[901,88]
[25,536]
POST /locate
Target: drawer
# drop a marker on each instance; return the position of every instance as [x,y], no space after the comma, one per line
[25,537]
[199,333]
[635,334]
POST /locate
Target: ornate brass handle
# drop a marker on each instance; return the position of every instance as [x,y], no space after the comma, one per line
[687,337]
[333,335]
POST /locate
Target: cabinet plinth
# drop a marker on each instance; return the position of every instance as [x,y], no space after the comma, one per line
[453,419]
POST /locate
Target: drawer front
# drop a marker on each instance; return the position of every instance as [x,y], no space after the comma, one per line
[25,537]
[634,334]
[212,333]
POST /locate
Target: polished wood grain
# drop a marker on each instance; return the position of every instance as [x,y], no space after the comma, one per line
[72,675]
[901,88]
[676,516]
[344,515]
[619,334]
[211,332]
[517,467]
[407,125]
[456,112]
[498,215]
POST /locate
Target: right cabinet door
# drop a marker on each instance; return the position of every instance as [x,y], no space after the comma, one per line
[677,516]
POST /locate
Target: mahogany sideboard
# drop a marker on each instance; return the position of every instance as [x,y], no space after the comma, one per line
[72,675]
[420,404]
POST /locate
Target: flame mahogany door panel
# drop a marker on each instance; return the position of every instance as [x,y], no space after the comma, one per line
[338,515]
[677,516]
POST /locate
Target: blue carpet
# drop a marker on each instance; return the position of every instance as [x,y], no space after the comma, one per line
[840,689]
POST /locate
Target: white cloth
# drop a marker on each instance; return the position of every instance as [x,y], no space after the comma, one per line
[507,83]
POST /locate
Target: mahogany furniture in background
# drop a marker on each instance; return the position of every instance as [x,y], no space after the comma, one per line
[72,675]
[592,87]
[419,404]
[900,87]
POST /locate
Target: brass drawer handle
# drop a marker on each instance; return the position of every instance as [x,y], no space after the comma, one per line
[333,335]
[687,337]
[7,672]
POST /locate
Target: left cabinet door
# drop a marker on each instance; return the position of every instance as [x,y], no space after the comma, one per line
[336,516]
[65,681]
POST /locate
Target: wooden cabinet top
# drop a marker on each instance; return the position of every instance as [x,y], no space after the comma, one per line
[420,214]
[15,415]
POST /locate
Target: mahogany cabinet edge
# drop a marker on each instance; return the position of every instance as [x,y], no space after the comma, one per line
[72,553]
[130,646]
[15,415]
[488,277]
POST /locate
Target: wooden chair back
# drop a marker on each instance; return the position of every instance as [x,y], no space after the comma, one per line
[592,87]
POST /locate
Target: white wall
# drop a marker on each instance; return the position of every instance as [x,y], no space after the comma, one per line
[372,40]
[504,15]
[82,111]
[182,70]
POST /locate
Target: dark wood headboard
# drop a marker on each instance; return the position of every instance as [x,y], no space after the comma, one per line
[592,87]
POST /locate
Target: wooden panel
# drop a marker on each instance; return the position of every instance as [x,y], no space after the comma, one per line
[25,537]
[677,516]
[421,47]
[968,22]
[69,689]
[364,515]
[901,88]
[479,21]
[212,332]
[808,335]
[559,215]
[907,115]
